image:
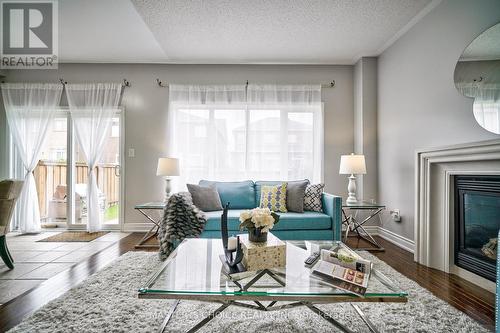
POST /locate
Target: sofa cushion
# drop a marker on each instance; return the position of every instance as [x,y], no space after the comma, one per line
[240,195]
[205,198]
[288,221]
[313,199]
[294,193]
[274,197]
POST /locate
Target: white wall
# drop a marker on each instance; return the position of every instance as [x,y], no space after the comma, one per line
[418,105]
[146,111]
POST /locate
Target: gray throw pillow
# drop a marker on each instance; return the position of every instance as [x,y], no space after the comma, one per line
[205,198]
[295,193]
[313,198]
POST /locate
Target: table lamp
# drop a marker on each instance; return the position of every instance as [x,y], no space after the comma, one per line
[167,167]
[352,165]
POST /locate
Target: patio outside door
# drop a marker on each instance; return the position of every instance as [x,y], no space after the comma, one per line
[62,172]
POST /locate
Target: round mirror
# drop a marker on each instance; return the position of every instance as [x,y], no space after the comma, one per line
[477,75]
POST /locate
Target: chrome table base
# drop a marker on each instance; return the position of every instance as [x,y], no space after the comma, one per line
[352,225]
[153,232]
[270,307]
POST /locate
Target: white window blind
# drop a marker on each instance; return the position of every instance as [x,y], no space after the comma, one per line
[276,133]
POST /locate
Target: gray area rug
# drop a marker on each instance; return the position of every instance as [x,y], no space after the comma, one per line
[107,302]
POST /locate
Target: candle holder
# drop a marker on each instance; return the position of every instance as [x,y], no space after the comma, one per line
[231,257]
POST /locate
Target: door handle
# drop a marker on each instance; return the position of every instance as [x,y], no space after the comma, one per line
[117,170]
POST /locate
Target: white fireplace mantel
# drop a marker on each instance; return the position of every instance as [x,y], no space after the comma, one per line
[434,216]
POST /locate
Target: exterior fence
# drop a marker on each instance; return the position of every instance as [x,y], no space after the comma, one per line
[48,175]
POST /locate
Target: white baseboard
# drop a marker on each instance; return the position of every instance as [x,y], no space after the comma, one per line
[137,227]
[372,229]
[394,238]
[402,242]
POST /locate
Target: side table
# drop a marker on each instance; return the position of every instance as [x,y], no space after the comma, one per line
[353,225]
[145,209]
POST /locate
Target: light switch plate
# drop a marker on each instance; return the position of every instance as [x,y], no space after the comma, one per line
[131,152]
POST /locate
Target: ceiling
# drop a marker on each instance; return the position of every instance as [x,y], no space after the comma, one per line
[233,31]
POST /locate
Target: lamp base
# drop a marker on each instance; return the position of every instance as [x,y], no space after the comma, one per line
[168,188]
[351,188]
[351,200]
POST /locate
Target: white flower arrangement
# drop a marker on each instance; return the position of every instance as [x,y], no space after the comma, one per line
[258,218]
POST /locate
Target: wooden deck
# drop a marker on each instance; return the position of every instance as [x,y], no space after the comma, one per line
[48,175]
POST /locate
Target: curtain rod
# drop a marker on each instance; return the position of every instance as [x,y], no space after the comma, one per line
[125,82]
[164,85]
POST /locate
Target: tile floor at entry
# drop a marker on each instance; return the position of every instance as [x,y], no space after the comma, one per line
[35,262]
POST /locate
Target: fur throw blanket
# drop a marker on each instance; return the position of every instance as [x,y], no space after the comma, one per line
[181,219]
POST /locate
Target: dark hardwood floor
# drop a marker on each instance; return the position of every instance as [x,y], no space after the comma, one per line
[476,302]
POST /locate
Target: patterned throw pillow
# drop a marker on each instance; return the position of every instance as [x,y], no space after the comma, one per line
[274,198]
[312,198]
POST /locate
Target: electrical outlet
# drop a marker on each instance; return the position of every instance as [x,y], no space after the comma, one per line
[396,215]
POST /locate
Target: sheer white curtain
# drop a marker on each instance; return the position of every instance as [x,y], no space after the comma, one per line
[30,109]
[207,94]
[270,94]
[291,115]
[92,108]
[247,132]
[201,138]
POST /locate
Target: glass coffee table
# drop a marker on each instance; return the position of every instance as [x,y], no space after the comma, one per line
[194,271]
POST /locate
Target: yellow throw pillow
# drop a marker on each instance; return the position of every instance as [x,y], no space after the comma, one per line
[274,198]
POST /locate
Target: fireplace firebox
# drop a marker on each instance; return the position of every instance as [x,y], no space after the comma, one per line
[477,221]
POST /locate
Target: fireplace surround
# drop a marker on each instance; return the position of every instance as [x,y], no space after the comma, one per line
[434,221]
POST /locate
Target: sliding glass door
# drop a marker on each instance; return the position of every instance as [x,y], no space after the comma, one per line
[62,172]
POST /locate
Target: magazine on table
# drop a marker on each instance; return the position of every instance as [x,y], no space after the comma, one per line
[343,268]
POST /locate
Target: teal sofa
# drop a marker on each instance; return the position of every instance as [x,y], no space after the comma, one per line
[292,226]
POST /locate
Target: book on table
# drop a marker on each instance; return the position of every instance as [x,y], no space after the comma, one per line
[343,268]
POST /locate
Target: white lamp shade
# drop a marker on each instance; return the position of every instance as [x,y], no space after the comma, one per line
[167,166]
[352,165]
